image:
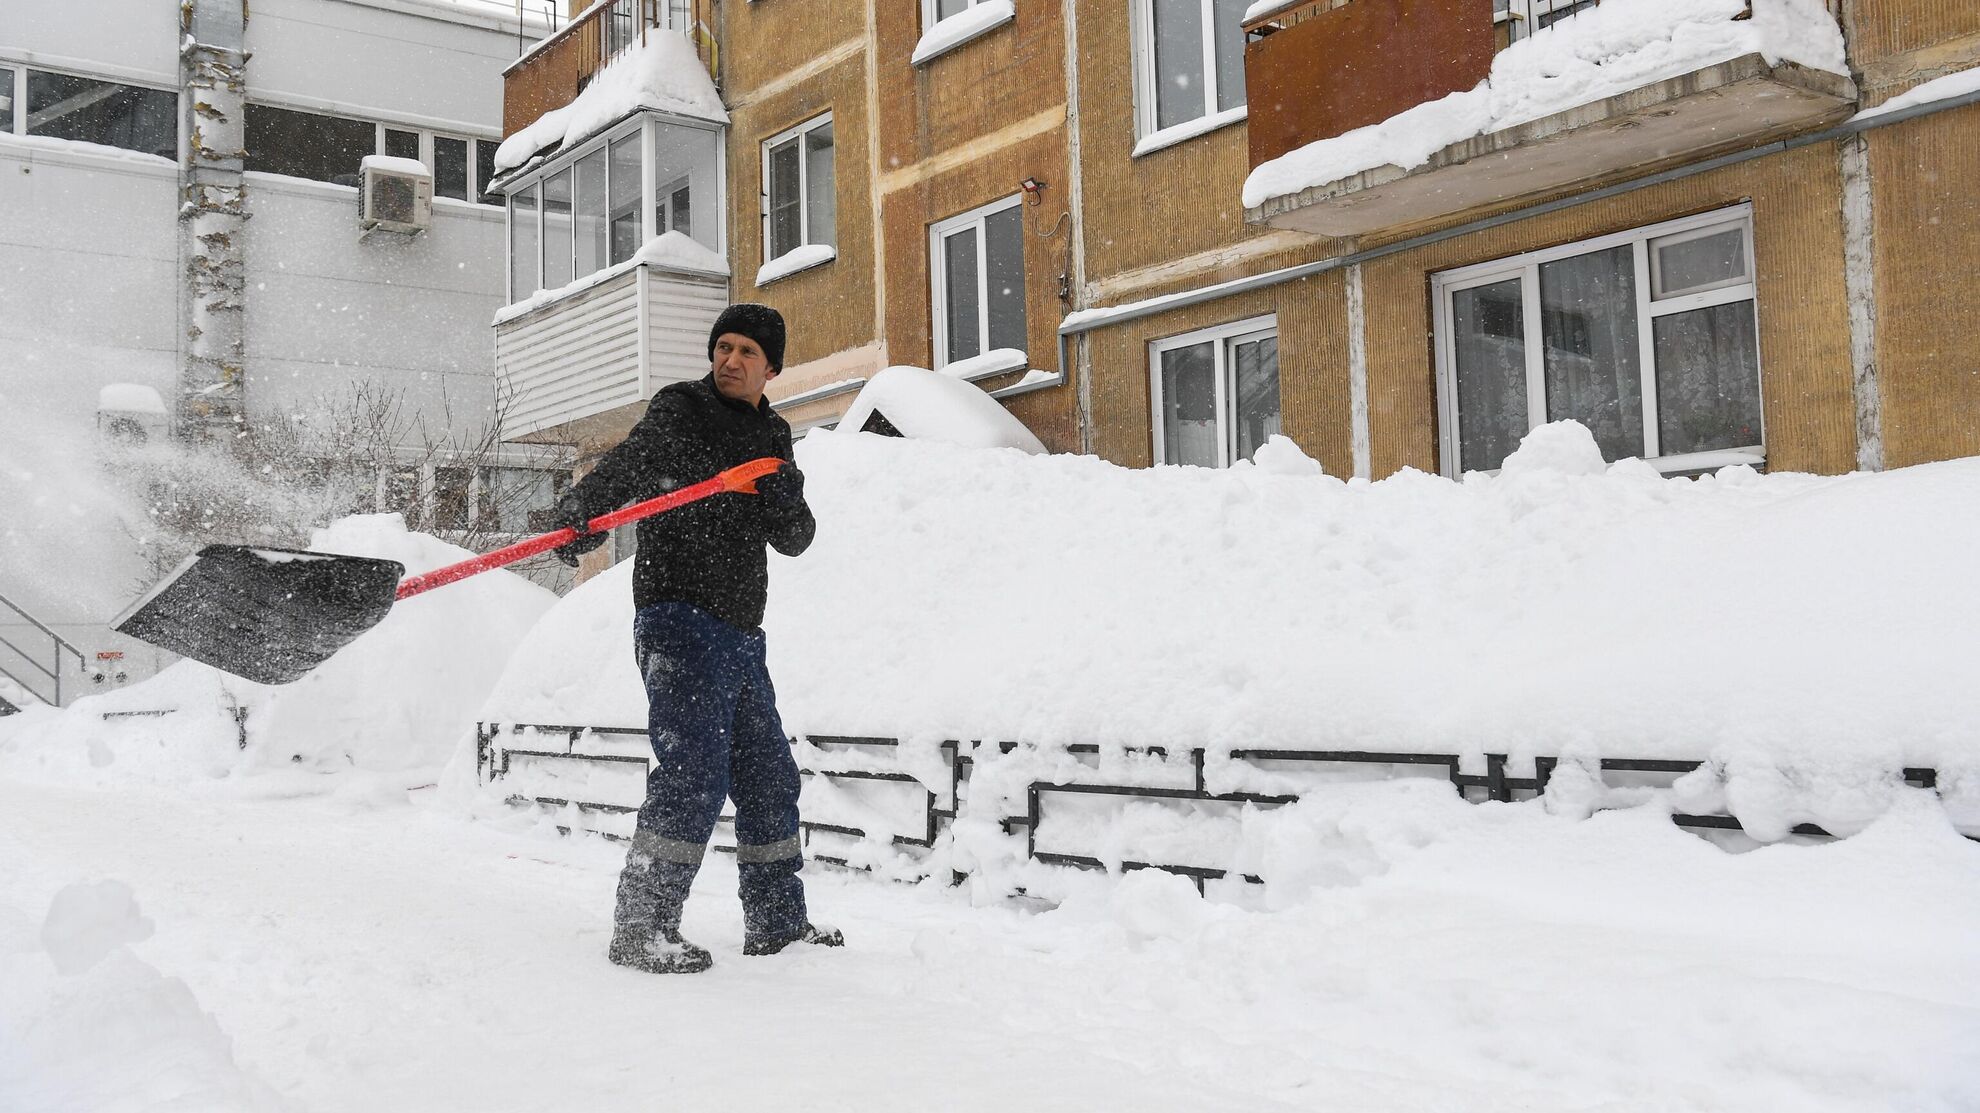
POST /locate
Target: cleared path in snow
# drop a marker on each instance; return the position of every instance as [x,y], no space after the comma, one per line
[364,953]
[393,958]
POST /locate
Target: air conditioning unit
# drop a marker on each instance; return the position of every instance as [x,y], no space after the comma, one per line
[395,195]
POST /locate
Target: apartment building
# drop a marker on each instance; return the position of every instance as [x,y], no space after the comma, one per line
[1083,205]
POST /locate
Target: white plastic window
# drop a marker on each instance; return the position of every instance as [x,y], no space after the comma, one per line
[976,270]
[799,199]
[1215,393]
[1650,338]
[1189,66]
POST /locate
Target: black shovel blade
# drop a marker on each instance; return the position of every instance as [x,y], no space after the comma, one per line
[267,615]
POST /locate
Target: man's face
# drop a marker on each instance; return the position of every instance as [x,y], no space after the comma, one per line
[741,369]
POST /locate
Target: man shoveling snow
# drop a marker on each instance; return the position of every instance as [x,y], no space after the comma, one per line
[699,586]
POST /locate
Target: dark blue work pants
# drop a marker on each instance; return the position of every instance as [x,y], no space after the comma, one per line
[712,718]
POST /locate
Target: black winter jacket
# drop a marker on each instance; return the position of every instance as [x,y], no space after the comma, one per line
[708,553]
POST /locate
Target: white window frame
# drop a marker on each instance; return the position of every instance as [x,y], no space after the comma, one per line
[1152,136]
[929,10]
[804,181]
[1225,337]
[646,128]
[1526,268]
[938,278]
[476,187]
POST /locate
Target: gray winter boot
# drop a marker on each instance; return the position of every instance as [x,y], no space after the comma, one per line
[663,952]
[811,933]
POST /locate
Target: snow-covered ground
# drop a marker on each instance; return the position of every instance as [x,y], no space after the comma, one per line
[321,910]
[355,949]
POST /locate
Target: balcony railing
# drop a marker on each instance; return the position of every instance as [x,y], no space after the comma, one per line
[551,73]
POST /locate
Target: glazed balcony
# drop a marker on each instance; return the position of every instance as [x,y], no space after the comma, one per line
[1369,116]
[552,73]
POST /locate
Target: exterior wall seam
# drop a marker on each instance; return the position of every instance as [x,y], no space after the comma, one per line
[975,153]
[1859,277]
[817,66]
[1075,286]
[1357,322]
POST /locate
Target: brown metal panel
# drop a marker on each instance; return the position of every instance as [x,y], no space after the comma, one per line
[1925,183]
[1360,64]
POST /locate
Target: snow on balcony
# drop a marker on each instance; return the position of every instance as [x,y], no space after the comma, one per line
[1617,87]
[662,75]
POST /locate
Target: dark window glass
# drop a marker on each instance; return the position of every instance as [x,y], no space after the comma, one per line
[6,101]
[402,144]
[308,145]
[959,265]
[1189,405]
[1491,373]
[1255,393]
[680,213]
[450,497]
[1003,248]
[484,171]
[1588,333]
[624,207]
[450,168]
[1230,52]
[786,199]
[1708,379]
[90,111]
[1178,61]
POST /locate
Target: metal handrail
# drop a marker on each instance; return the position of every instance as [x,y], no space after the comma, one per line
[57,646]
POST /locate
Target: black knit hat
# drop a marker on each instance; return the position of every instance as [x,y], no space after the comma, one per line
[758,322]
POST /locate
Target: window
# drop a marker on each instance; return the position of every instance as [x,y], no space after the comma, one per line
[518,500]
[332,149]
[622,207]
[557,229]
[673,212]
[1189,66]
[589,215]
[1216,393]
[524,255]
[1650,338]
[1519,19]
[86,110]
[450,167]
[976,263]
[7,100]
[799,203]
[452,488]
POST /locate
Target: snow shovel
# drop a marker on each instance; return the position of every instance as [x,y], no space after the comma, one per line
[271,615]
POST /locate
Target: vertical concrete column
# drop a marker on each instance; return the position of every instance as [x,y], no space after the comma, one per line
[212,215]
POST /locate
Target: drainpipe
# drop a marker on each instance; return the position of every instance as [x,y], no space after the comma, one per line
[213,215]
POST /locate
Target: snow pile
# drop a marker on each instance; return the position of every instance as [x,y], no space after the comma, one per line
[397,701]
[662,75]
[86,1024]
[1599,53]
[928,405]
[1563,607]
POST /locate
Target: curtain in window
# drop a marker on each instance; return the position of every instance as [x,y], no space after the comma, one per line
[1708,379]
[1489,337]
[1189,405]
[1589,343]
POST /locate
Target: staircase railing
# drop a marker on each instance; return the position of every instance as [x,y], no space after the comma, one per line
[52,652]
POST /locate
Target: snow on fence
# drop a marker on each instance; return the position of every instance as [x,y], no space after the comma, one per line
[912,810]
